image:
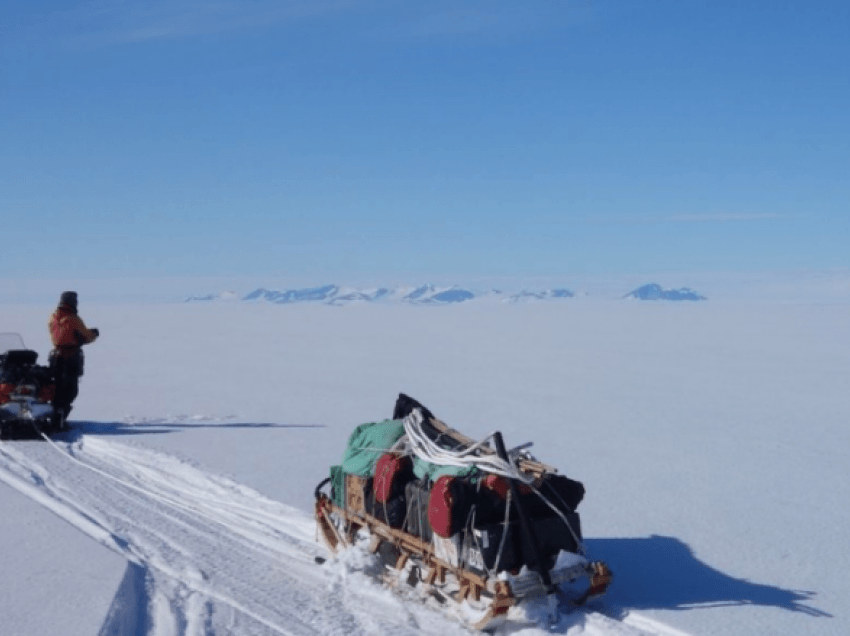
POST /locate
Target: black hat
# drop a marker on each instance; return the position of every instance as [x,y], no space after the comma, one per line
[68,298]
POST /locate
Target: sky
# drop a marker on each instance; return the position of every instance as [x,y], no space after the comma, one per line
[342,141]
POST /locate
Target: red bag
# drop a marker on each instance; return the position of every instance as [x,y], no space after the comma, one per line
[392,472]
[447,505]
[499,486]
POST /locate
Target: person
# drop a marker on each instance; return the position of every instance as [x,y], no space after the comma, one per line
[68,333]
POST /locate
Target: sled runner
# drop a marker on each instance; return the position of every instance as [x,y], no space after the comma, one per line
[471,524]
[26,391]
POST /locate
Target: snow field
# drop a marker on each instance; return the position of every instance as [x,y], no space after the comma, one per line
[711,440]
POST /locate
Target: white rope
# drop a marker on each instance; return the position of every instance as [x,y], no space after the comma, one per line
[427,450]
[505,526]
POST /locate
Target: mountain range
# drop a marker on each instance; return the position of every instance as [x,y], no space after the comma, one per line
[335,295]
[653,291]
[428,295]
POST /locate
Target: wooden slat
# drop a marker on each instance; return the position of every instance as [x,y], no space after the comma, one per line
[526,465]
[471,584]
[405,541]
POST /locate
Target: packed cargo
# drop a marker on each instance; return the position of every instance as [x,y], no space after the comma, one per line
[469,522]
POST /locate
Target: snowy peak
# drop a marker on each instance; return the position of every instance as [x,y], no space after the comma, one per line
[419,293]
[344,297]
[227,295]
[311,294]
[429,294]
[544,295]
[335,295]
[422,295]
[652,291]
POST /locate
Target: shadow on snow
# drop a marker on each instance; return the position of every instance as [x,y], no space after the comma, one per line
[158,427]
[128,614]
[650,573]
[659,572]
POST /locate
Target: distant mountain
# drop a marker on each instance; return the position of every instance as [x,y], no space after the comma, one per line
[312,294]
[429,295]
[335,295]
[451,296]
[656,292]
[419,293]
[544,295]
[422,295]
[353,296]
[227,295]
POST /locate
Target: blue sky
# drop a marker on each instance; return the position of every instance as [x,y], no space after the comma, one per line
[340,141]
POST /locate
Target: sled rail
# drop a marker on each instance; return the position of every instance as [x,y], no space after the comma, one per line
[495,596]
[469,585]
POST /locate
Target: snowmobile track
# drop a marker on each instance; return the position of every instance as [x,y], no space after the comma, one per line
[208,556]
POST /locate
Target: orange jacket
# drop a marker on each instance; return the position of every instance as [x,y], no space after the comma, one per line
[68,331]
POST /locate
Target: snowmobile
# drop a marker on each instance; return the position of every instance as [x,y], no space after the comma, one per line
[26,392]
[471,524]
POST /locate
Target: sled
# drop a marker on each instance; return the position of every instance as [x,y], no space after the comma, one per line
[26,392]
[476,527]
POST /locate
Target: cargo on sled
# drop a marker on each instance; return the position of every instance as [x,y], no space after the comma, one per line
[472,524]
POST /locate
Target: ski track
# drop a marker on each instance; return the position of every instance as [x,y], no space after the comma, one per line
[208,556]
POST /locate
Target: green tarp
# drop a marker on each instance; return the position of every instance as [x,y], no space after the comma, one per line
[366,445]
[421,469]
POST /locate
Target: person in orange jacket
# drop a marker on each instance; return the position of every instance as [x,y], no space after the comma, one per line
[68,333]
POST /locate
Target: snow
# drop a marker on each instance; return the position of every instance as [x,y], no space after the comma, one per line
[711,439]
